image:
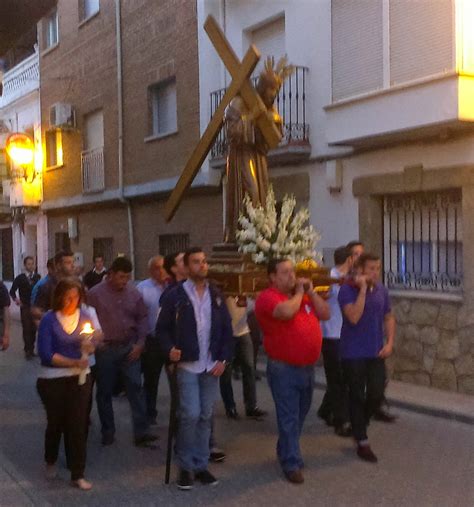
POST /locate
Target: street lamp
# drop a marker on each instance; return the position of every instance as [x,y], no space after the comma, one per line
[21,151]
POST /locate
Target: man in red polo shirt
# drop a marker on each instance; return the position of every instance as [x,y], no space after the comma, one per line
[288,313]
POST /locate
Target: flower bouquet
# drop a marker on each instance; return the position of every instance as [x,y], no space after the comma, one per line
[265,233]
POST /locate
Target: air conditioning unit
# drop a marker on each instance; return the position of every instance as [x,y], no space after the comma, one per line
[62,115]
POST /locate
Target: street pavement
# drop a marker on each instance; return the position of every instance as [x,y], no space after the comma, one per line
[423,460]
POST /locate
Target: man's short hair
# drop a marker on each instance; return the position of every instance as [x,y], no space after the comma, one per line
[170,262]
[272,265]
[365,258]
[50,263]
[341,254]
[97,256]
[58,258]
[121,264]
[153,259]
[354,243]
[26,259]
[191,251]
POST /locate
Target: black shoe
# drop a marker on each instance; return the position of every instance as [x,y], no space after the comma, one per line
[108,439]
[29,355]
[327,418]
[205,477]
[365,452]
[146,441]
[343,430]
[152,421]
[217,456]
[256,413]
[383,416]
[232,414]
[185,480]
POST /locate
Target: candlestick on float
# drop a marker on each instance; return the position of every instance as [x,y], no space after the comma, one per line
[86,335]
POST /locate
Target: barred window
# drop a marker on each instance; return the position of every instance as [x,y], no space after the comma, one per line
[171,243]
[423,241]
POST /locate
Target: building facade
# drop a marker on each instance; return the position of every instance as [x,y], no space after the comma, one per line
[379,143]
[23,226]
[120,109]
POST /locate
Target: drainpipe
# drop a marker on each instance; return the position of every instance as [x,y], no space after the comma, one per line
[118,38]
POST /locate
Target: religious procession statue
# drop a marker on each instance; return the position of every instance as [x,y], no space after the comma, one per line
[246,169]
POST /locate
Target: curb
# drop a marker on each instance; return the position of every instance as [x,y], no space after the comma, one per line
[450,415]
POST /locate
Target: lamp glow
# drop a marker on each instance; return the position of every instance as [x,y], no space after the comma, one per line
[20,148]
[87,329]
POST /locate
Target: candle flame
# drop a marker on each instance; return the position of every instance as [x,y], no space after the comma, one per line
[87,329]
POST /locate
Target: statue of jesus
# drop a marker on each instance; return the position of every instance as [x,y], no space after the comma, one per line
[246,168]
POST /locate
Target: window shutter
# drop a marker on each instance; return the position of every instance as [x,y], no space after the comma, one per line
[421,38]
[357,47]
[164,108]
[270,40]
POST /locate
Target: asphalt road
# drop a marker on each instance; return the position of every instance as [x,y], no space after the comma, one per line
[423,461]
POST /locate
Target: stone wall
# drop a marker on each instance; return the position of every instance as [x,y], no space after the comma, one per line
[434,344]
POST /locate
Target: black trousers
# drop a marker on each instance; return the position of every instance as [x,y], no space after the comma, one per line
[66,404]
[244,356]
[152,364]
[29,329]
[366,381]
[336,397]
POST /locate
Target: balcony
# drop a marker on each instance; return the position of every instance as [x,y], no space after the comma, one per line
[20,80]
[291,105]
[427,108]
[92,167]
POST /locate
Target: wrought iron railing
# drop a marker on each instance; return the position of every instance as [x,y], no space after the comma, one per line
[423,241]
[291,105]
[92,166]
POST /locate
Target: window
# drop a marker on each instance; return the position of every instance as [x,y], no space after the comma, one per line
[62,241]
[423,241]
[171,243]
[6,248]
[104,247]
[163,108]
[269,40]
[50,30]
[87,8]
[54,149]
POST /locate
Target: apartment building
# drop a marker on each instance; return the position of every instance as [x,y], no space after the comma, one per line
[379,143]
[22,225]
[120,112]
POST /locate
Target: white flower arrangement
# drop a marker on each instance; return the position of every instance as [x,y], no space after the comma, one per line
[265,234]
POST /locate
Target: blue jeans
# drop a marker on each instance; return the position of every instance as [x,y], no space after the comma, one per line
[110,362]
[197,395]
[292,391]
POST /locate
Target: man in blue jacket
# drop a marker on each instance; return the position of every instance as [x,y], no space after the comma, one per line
[194,330]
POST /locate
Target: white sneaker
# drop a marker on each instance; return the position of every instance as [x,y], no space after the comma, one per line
[82,484]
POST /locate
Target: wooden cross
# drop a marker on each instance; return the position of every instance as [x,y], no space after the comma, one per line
[240,72]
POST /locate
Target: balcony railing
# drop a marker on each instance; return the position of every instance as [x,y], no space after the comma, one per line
[291,105]
[20,80]
[92,164]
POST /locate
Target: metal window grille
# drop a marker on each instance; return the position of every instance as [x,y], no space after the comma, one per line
[423,241]
[104,247]
[171,243]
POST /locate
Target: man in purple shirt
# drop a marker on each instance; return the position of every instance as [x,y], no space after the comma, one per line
[367,316]
[123,317]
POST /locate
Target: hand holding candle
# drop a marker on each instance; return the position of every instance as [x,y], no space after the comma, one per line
[86,334]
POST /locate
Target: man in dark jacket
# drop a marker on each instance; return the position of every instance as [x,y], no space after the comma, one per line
[194,330]
[24,283]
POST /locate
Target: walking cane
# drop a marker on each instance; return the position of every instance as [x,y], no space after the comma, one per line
[172,427]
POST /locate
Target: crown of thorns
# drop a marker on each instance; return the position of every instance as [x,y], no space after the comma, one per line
[278,73]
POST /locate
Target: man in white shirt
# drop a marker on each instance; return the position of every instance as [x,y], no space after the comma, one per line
[239,307]
[334,408]
[194,330]
[151,290]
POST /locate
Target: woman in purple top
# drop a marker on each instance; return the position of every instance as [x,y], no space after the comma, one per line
[64,383]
